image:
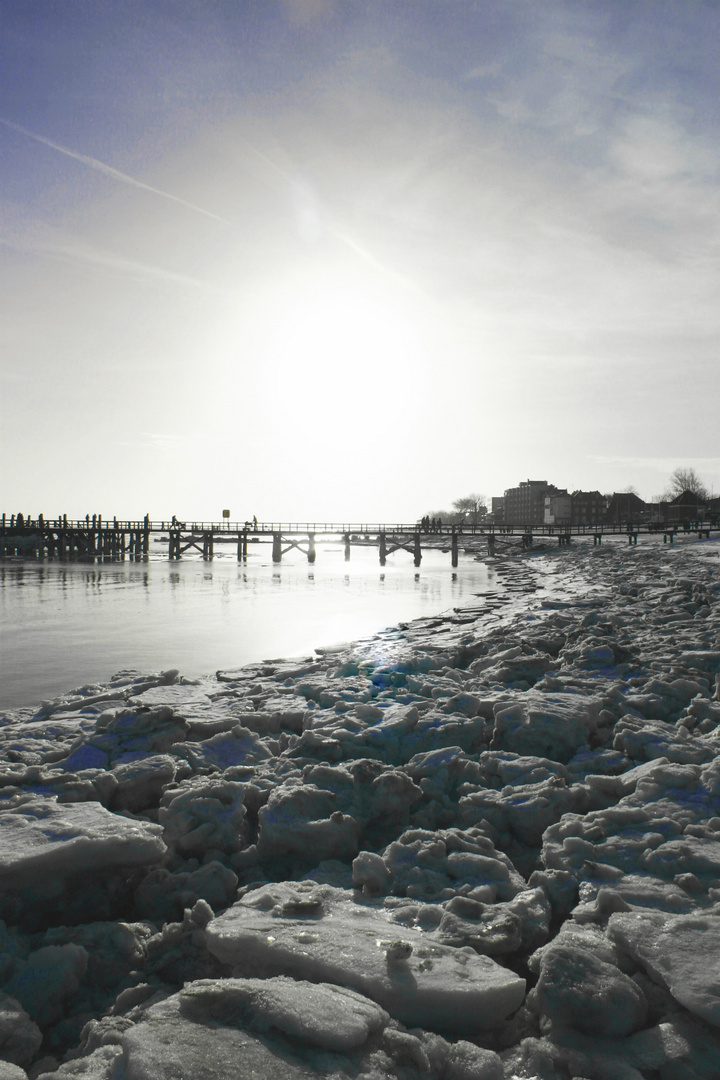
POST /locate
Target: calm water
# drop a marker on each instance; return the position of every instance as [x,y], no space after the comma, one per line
[63,625]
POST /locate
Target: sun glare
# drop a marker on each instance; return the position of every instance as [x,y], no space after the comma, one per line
[337,353]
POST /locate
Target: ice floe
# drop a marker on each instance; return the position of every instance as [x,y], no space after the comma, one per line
[481,846]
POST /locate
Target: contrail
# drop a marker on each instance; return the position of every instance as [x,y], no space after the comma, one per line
[115,174]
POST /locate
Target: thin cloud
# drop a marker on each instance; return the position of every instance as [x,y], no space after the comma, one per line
[308,212]
[57,246]
[115,174]
[663,464]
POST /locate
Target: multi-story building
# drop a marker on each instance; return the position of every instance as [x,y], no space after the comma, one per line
[525,504]
[558,509]
[588,508]
[497,511]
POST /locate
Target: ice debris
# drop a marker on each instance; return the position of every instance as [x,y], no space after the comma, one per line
[482,846]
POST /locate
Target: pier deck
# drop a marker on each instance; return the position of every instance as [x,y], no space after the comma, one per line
[96,539]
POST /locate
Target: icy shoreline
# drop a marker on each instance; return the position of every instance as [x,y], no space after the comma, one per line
[479,846]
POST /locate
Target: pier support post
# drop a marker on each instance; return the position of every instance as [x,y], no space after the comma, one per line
[417,553]
[491,544]
[311,547]
[277,548]
[383,549]
[207,545]
[454,549]
[346,538]
[242,546]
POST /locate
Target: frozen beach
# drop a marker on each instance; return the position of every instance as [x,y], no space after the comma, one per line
[483,845]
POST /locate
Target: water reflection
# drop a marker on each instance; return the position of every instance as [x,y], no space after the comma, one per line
[87,623]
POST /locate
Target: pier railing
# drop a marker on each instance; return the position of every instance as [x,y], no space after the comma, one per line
[108,539]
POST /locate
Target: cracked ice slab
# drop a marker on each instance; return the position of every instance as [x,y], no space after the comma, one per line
[681,952]
[323,934]
[41,838]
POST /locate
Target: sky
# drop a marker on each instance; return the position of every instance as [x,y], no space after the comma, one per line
[347,260]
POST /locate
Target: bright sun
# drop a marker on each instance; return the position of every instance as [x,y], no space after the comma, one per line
[330,388]
[336,352]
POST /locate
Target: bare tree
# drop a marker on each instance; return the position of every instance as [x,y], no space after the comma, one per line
[473,507]
[685,479]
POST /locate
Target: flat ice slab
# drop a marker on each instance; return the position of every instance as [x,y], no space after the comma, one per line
[681,952]
[40,837]
[324,934]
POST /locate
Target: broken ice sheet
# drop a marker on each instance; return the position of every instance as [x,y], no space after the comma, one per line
[320,933]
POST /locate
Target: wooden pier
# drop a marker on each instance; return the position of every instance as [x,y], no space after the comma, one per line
[96,539]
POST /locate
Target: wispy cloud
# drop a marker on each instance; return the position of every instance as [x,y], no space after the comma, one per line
[115,174]
[55,244]
[313,220]
[662,464]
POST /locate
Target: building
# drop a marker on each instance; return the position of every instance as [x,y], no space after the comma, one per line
[588,508]
[525,504]
[558,509]
[624,507]
[497,512]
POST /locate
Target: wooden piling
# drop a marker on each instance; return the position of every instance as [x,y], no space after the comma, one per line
[346,538]
[383,549]
[417,553]
[454,549]
[277,548]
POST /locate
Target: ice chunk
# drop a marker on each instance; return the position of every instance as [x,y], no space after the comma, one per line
[163,895]
[43,843]
[321,1014]
[370,874]
[178,1040]
[546,725]
[681,952]
[579,990]
[304,819]
[102,1064]
[469,1062]
[323,934]
[8,1071]
[204,814]
[647,739]
[20,1037]
[239,746]
[113,948]
[141,783]
[47,979]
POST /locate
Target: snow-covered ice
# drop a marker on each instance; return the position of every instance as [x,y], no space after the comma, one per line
[481,846]
[327,935]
